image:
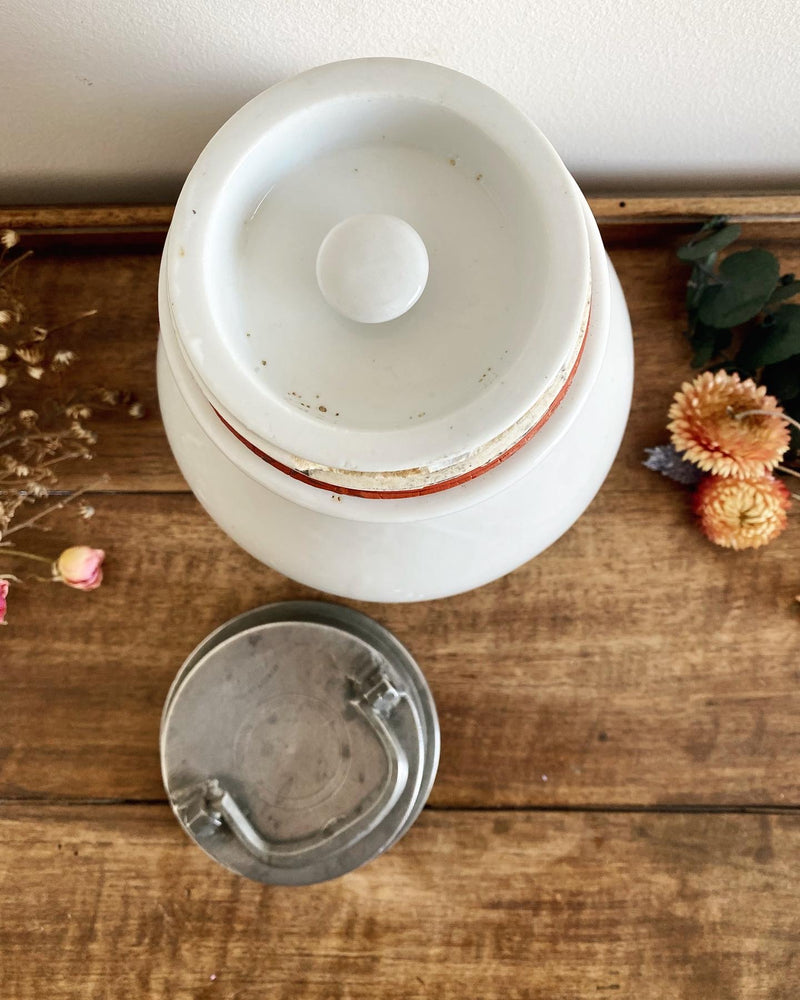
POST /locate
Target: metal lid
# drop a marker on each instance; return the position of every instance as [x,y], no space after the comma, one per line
[298,741]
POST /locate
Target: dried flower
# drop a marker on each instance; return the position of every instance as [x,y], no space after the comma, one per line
[81,433]
[27,417]
[78,411]
[39,333]
[3,605]
[704,426]
[670,463]
[86,511]
[9,238]
[5,405]
[31,355]
[741,513]
[5,317]
[80,567]
[136,410]
[111,397]
[62,360]
[5,352]
[35,371]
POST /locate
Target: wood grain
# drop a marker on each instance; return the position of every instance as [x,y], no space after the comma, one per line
[633,663]
[630,664]
[550,906]
[777,206]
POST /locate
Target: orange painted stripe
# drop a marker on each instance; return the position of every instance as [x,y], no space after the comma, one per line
[423,490]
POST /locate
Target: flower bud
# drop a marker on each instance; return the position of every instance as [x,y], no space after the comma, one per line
[80,566]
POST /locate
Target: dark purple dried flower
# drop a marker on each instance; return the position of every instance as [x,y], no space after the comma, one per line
[670,463]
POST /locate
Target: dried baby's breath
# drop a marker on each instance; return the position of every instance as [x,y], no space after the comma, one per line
[62,360]
[36,442]
[78,411]
[30,354]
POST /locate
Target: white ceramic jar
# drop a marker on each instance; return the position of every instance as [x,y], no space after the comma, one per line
[395,362]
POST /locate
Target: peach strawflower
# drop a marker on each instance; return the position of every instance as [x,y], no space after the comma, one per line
[705,428]
[741,513]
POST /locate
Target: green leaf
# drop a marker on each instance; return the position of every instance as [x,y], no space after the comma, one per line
[695,286]
[718,240]
[723,341]
[704,343]
[748,279]
[783,379]
[787,291]
[769,345]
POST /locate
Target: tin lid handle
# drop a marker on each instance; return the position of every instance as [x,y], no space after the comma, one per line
[209,807]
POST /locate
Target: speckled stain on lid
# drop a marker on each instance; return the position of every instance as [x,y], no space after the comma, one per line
[450,472]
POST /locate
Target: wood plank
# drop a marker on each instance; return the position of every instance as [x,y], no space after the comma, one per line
[115,901]
[632,663]
[610,208]
[116,348]
[686,207]
[37,218]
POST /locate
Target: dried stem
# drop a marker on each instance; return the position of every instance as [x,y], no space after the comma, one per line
[56,506]
[41,436]
[788,471]
[26,555]
[69,322]
[766,413]
[13,264]
[62,458]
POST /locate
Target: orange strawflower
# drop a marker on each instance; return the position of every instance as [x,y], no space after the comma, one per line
[741,513]
[704,426]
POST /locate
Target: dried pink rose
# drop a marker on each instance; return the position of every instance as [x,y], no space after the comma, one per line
[3,595]
[80,567]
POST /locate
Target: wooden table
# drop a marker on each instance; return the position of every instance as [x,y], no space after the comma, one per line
[617,808]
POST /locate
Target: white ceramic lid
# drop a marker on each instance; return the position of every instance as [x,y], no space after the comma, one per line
[380,267]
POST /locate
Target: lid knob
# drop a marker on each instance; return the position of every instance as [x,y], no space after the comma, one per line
[372,268]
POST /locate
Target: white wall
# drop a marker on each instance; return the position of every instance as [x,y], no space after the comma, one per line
[113,99]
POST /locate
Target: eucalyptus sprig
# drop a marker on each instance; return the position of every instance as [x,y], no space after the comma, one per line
[740,316]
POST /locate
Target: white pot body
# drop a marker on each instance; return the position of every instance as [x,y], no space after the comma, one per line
[445,538]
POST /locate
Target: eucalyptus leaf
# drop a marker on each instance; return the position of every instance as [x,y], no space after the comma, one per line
[704,343]
[695,286]
[769,346]
[723,341]
[782,292]
[718,240]
[748,279]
